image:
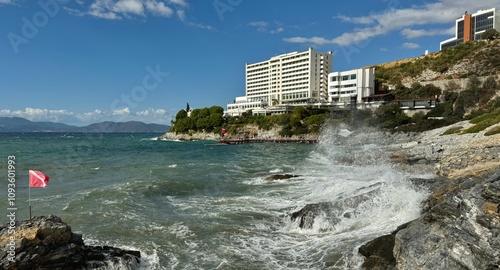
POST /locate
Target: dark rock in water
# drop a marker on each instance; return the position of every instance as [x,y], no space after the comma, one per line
[48,243]
[281,177]
[379,252]
[460,229]
[309,212]
[333,212]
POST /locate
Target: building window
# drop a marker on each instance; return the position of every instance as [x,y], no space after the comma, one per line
[345,78]
[353,77]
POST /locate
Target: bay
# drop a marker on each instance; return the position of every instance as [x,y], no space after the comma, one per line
[199,205]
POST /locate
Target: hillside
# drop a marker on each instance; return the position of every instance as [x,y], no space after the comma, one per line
[17,124]
[479,58]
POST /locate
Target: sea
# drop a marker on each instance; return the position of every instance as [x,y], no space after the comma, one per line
[204,205]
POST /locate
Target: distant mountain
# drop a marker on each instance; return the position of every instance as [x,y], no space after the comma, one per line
[17,124]
[130,126]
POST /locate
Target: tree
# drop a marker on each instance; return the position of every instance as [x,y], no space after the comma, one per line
[216,110]
[490,83]
[491,34]
[391,116]
[474,85]
[187,107]
[488,90]
[180,115]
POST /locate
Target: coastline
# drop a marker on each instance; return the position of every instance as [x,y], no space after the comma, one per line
[460,220]
[455,155]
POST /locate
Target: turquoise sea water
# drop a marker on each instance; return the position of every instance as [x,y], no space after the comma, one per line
[199,205]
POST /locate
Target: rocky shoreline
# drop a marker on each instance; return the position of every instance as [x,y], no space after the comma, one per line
[460,223]
[46,242]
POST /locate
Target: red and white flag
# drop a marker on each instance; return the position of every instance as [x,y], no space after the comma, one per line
[38,179]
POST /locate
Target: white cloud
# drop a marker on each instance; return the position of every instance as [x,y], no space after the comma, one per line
[355,20]
[119,9]
[5,2]
[409,45]
[152,112]
[129,6]
[182,15]
[159,8]
[202,26]
[181,3]
[259,24]
[124,111]
[416,33]
[315,40]
[267,27]
[394,19]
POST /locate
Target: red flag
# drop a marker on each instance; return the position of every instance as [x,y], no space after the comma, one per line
[38,179]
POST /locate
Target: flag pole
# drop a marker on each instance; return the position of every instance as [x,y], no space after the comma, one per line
[29,196]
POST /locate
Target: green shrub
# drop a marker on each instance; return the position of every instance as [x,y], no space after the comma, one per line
[483,125]
[485,117]
[454,130]
[493,131]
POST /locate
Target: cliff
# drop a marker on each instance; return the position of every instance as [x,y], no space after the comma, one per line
[48,243]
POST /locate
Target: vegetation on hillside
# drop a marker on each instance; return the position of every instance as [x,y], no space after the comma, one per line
[206,119]
[416,91]
[487,54]
[302,120]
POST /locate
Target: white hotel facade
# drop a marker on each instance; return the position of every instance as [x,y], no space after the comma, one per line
[297,78]
[277,85]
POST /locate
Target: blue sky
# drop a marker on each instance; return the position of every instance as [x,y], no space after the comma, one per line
[85,61]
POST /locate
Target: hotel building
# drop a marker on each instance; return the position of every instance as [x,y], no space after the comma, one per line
[346,85]
[472,26]
[296,78]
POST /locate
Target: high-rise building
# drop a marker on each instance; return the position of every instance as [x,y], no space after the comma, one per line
[472,26]
[288,79]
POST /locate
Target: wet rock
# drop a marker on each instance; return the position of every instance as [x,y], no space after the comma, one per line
[459,230]
[310,212]
[334,211]
[275,177]
[378,253]
[48,243]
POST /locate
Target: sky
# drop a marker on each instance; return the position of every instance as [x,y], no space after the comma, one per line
[85,61]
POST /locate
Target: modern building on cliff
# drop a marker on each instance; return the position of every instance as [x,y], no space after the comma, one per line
[346,86]
[472,26]
[297,78]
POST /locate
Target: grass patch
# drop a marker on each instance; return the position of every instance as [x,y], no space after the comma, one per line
[483,125]
[454,130]
[493,131]
[485,117]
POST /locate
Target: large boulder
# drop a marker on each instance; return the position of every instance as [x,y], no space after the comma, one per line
[48,243]
[460,229]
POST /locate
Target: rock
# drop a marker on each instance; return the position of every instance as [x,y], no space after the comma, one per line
[333,212]
[275,177]
[48,243]
[460,230]
[378,253]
